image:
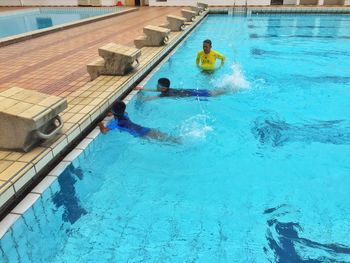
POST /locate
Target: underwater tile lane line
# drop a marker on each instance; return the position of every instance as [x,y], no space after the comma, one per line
[58,64]
[152,56]
[37,33]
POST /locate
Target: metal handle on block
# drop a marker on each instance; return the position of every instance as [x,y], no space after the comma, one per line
[51,134]
[166,40]
[137,64]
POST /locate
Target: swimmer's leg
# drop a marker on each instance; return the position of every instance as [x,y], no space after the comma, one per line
[155,134]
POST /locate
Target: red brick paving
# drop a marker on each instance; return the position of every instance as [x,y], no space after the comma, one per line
[56,63]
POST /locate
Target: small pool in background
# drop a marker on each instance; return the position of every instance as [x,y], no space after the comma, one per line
[23,21]
[262,174]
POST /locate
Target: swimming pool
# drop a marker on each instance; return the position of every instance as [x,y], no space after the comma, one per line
[261,175]
[18,22]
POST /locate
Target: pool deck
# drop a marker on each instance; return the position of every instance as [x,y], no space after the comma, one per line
[55,64]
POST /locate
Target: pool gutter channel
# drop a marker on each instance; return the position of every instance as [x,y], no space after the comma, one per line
[41,32]
[10,213]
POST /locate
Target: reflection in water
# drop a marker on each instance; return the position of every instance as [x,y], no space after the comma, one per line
[43,22]
[277,132]
[67,197]
[260,52]
[284,243]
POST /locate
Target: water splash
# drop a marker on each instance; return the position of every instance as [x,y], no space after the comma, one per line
[235,81]
[195,127]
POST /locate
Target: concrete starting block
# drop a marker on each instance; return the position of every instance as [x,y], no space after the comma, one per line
[199,10]
[155,36]
[28,117]
[116,60]
[95,68]
[119,59]
[175,23]
[203,6]
[189,15]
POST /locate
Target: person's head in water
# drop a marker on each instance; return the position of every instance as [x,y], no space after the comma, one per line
[163,85]
[207,46]
[118,108]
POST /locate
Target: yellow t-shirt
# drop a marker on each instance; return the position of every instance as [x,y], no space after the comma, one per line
[207,61]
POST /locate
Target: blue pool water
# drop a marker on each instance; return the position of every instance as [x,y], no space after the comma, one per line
[262,174]
[18,22]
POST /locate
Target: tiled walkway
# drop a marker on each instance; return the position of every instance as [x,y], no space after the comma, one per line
[56,63]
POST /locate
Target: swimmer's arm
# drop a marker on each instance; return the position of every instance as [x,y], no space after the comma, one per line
[142,88]
[222,60]
[198,59]
[221,57]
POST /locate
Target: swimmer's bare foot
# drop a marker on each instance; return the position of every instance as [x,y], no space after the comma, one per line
[103,129]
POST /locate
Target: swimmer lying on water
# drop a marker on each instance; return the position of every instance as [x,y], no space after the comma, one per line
[122,122]
[163,87]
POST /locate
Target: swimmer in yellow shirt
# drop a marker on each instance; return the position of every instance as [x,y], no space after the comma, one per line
[206,59]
